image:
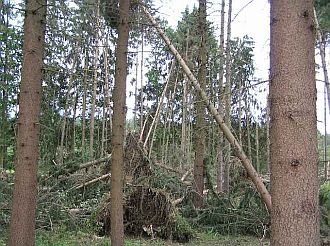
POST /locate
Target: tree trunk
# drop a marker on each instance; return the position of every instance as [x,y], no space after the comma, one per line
[22,226]
[220,100]
[267,134]
[227,102]
[184,110]
[68,101]
[322,44]
[4,93]
[119,112]
[293,134]
[106,130]
[83,110]
[200,111]
[95,63]
[257,148]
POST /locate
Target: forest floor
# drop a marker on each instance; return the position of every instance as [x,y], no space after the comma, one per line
[82,239]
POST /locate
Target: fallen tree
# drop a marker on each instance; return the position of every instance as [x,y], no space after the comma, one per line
[217,116]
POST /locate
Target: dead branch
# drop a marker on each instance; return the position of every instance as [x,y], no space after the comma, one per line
[92,181]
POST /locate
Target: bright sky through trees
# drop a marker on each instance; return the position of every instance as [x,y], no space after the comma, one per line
[250,17]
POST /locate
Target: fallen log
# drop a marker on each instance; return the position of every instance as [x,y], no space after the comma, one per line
[94,162]
[217,116]
[92,181]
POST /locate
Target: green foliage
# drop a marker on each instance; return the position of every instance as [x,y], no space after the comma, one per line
[323,14]
[241,212]
[183,232]
[325,207]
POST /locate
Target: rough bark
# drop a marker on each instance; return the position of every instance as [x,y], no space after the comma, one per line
[198,184]
[22,225]
[119,112]
[218,117]
[293,134]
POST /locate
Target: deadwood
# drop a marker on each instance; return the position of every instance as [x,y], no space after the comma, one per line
[238,150]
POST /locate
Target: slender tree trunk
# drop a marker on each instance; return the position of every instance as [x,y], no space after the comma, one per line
[107,111]
[22,225]
[293,149]
[73,147]
[95,65]
[119,112]
[248,130]
[136,90]
[267,134]
[83,110]
[141,81]
[184,111]
[153,126]
[228,101]
[4,95]
[220,159]
[322,44]
[200,111]
[68,101]
[257,148]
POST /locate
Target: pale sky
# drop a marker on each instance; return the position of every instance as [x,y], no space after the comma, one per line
[253,20]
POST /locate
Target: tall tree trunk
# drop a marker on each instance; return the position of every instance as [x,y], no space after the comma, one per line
[68,101]
[73,147]
[200,111]
[141,83]
[267,134]
[220,159]
[83,110]
[119,112]
[95,65]
[293,149]
[325,141]
[257,148]
[184,110]
[228,101]
[4,94]
[22,226]
[248,129]
[107,110]
[322,44]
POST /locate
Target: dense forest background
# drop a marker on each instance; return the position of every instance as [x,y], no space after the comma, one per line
[76,123]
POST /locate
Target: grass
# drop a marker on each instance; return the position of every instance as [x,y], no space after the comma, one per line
[62,237]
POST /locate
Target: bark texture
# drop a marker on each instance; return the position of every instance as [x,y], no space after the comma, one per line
[200,112]
[293,149]
[22,225]
[119,112]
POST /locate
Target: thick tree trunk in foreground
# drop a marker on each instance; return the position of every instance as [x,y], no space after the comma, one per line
[119,112]
[293,153]
[22,225]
